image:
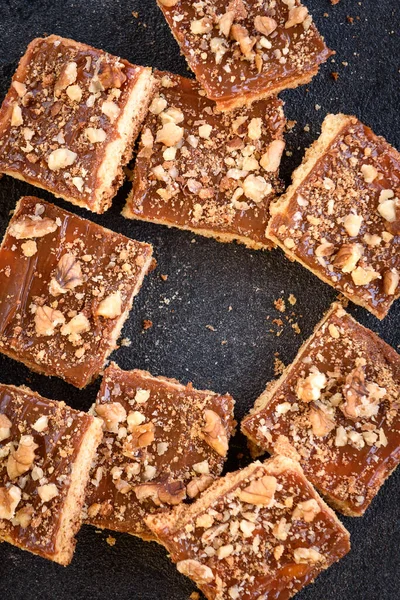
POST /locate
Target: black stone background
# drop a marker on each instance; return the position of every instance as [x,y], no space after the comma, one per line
[205,279]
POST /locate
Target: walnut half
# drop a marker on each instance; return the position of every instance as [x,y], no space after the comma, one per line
[68,275]
[21,459]
[214,432]
[171,493]
[260,491]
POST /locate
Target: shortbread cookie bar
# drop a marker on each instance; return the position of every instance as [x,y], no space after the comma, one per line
[163,442]
[46,449]
[214,174]
[70,118]
[245,50]
[336,408]
[262,532]
[340,218]
[67,286]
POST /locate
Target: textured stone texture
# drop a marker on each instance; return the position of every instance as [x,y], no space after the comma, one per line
[205,278]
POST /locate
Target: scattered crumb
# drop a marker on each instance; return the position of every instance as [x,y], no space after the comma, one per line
[317,107]
[153,265]
[343,300]
[111,541]
[126,342]
[280,305]
[335,1]
[223,342]
[290,125]
[296,328]
[146,324]
[164,277]
[210,327]
[292,299]
[350,20]
[306,128]
[279,366]
[335,75]
[136,14]
[194,596]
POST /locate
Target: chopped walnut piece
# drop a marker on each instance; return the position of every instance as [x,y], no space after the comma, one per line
[61,158]
[23,516]
[306,511]
[361,398]
[68,275]
[95,135]
[168,3]
[26,228]
[390,282]
[110,109]
[47,319]
[198,485]
[142,436]
[201,574]
[369,173]
[256,188]
[21,460]
[111,306]
[297,15]
[352,224]
[241,35]
[47,492]
[201,26]
[309,389]
[112,413]
[387,210]
[9,500]
[41,424]
[363,276]
[271,159]
[307,556]
[347,257]
[68,75]
[214,432]
[265,25]
[16,116]
[226,22]
[170,134]
[321,423]
[172,493]
[111,76]
[77,325]
[325,249]
[260,491]
[5,427]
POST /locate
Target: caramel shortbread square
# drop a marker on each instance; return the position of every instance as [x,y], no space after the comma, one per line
[336,407]
[214,174]
[262,532]
[46,450]
[244,50]
[340,218]
[70,118]
[67,286]
[164,442]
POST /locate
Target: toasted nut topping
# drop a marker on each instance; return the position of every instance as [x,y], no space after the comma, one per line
[142,435]
[47,319]
[265,25]
[41,424]
[387,210]
[321,423]
[271,159]
[23,516]
[255,128]
[241,35]
[171,493]
[74,93]
[307,556]
[68,75]
[362,276]
[111,76]
[198,485]
[369,173]
[21,460]
[68,275]
[309,389]
[110,109]
[361,398]
[20,88]
[218,47]
[61,158]
[29,248]
[111,306]
[256,188]
[306,511]
[95,135]
[297,15]
[16,116]
[259,492]
[205,131]
[214,432]
[77,325]
[9,500]
[390,282]
[112,413]
[5,427]
[278,551]
[352,224]
[25,228]
[200,26]
[226,22]
[47,492]
[201,574]
[170,134]
[347,257]
[325,249]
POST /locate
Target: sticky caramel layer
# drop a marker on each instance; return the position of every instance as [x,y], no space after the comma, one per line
[334,189]
[347,475]
[201,167]
[110,263]
[289,55]
[177,413]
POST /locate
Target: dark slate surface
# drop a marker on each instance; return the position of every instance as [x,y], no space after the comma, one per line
[206,279]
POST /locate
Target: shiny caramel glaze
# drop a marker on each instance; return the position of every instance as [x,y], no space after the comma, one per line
[176,455]
[109,263]
[250,548]
[196,190]
[58,448]
[334,189]
[284,58]
[52,118]
[347,468]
